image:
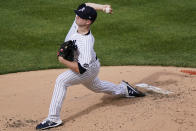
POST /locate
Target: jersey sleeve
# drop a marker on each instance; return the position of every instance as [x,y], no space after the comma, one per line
[72,30]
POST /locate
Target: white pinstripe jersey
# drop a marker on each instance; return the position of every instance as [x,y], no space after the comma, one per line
[85,54]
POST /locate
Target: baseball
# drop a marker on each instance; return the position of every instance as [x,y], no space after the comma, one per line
[107,10]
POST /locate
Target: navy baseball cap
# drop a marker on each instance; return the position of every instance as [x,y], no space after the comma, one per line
[86,12]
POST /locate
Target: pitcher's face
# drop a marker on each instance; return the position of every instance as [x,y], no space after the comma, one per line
[82,22]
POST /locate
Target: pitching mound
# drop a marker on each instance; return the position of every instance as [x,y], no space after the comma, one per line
[25,99]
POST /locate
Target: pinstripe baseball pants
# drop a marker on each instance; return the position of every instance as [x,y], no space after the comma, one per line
[89,79]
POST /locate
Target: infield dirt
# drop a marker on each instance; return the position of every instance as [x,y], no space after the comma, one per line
[25,99]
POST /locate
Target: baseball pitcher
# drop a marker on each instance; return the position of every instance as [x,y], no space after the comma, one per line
[83,66]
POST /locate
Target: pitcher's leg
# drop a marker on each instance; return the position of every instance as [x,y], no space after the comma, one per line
[124,88]
[57,101]
[63,81]
[107,87]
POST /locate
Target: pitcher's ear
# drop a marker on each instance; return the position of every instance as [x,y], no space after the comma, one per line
[89,22]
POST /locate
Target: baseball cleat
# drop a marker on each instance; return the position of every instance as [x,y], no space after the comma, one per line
[46,124]
[131,91]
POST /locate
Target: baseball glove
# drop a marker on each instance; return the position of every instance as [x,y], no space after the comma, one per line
[67,49]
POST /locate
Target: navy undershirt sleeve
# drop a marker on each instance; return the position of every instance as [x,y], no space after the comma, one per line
[81,69]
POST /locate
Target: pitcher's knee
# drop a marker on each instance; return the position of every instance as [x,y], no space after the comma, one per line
[61,82]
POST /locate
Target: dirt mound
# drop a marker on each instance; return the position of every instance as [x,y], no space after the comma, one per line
[25,99]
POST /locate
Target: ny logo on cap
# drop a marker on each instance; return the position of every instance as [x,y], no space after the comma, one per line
[82,9]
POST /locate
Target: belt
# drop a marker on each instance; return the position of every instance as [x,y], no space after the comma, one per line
[96,57]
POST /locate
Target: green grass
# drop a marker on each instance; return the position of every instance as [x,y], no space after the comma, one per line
[140,32]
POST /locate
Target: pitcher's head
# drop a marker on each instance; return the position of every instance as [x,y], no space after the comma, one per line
[86,13]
